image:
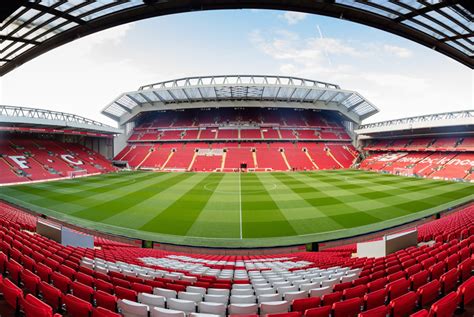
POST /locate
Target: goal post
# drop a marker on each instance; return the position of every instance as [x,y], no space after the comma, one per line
[403,171]
[77,173]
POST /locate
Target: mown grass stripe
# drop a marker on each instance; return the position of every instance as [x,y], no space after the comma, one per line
[180,216]
[261,217]
[110,208]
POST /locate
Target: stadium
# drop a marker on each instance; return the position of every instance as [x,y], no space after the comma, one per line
[237,194]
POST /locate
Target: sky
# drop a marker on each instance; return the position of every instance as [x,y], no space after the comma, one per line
[398,76]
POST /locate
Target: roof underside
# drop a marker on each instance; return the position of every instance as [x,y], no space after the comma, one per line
[240,88]
[33,117]
[437,123]
[30,28]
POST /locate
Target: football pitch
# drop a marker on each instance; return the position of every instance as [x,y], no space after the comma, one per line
[239,209]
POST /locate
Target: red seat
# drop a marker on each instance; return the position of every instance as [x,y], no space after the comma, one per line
[449,280]
[341,286]
[465,268]
[396,276]
[14,268]
[51,295]
[124,293]
[31,281]
[142,288]
[82,291]
[348,308]
[403,305]
[182,288]
[428,262]
[356,291]
[413,269]
[12,294]
[420,313]
[85,279]
[33,307]
[290,314]
[44,272]
[380,311]
[106,300]
[102,312]
[397,288]
[63,283]
[428,293]
[76,307]
[67,271]
[377,284]
[436,270]
[361,281]
[329,299]
[466,292]
[121,282]
[445,307]
[51,263]
[303,304]
[375,299]
[3,262]
[418,279]
[452,261]
[323,311]
[28,263]
[104,286]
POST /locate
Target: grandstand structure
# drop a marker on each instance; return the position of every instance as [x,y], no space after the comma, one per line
[33,28]
[437,146]
[38,144]
[234,122]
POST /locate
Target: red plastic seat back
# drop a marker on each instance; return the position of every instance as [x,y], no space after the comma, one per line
[33,307]
[380,311]
[329,299]
[428,293]
[76,307]
[82,291]
[51,295]
[106,300]
[375,299]
[125,293]
[356,291]
[403,305]
[318,312]
[347,308]
[102,312]
[303,304]
[12,294]
[445,306]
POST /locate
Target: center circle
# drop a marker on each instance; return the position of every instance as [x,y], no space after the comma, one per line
[212,186]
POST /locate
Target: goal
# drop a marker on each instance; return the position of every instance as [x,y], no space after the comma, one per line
[78,173]
[403,171]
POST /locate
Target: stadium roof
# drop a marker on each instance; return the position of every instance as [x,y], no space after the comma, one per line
[33,117]
[30,28]
[193,91]
[437,123]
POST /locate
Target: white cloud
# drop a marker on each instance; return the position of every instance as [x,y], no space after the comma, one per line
[396,88]
[293,17]
[397,51]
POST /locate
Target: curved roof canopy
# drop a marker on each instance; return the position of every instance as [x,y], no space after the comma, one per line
[24,116]
[298,92]
[30,28]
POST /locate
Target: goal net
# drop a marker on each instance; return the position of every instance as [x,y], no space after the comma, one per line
[77,173]
[403,171]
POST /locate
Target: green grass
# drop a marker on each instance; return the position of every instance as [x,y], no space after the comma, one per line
[217,209]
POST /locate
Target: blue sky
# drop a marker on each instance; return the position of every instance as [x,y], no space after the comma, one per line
[400,77]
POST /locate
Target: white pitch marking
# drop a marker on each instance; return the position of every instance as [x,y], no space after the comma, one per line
[240,207]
